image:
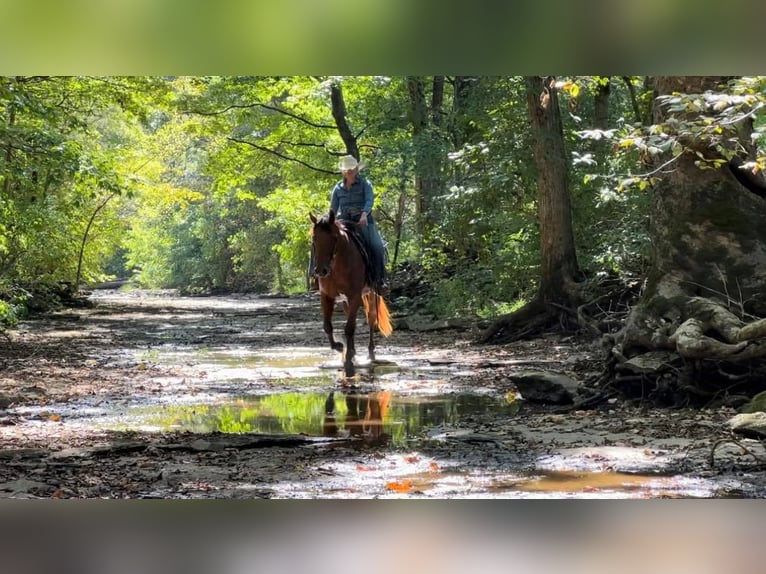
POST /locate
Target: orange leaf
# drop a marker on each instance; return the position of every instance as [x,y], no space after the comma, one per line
[434,467]
[54,418]
[400,486]
[412,458]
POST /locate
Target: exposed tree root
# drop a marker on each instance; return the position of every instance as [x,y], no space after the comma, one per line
[529,321]
[600,307]
[735,442]
[706,330]
[717,354]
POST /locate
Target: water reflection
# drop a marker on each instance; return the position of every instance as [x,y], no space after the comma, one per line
[378,417]
[364,416]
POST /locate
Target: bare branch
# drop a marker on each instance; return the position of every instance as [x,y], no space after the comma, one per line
[282,155]
[633,98]
[259,105]
[341,122]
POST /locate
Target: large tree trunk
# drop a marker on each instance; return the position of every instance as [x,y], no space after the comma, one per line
[558,289]
[705,285]
[428,154]
[558,259]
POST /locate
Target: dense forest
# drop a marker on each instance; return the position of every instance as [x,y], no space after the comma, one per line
[628,208]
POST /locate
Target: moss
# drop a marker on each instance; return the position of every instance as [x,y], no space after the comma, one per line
[756,404]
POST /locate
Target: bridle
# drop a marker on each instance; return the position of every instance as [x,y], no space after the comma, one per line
[336,240]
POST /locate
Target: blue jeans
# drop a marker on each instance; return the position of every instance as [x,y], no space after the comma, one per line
[378,250]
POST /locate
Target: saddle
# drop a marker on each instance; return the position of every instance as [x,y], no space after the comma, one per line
[364,249]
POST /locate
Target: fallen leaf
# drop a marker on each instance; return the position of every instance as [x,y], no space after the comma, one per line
[54,418]
[412,458]
[434,467]
[400,485]
[362,468]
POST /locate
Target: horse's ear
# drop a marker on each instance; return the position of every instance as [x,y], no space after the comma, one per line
[332,217]
[313,219]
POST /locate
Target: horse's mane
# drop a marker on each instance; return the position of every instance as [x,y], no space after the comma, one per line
[352,232]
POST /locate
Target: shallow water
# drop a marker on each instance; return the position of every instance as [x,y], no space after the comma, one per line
[421,421]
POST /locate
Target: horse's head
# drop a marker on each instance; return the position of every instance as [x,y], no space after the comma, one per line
[324,242]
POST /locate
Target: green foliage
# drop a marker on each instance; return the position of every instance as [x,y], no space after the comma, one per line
[206,183]
[66,155]
[10,314]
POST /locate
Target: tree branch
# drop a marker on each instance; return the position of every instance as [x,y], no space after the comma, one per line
[341,123]
[259,105]
[282,155]
[633,98]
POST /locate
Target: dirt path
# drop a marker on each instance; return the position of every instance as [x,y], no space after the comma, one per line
[128,399]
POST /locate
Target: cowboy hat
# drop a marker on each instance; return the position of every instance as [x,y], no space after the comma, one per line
[349,162]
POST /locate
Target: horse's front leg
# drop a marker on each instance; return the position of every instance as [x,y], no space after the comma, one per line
[328,306]
[350,330]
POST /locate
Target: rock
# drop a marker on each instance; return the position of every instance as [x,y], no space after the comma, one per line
[202,445]
[756,404]
[749,424]
[651,362]
[24,486]
[7,401]
[546,387]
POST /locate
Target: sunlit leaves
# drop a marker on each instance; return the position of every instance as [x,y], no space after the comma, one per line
[584,159]
[569,87]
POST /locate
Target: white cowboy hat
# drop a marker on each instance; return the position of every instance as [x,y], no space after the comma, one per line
[349,162]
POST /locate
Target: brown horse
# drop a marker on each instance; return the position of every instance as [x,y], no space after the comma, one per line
[343,268]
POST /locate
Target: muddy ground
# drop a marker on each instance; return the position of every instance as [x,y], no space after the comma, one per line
[72,381]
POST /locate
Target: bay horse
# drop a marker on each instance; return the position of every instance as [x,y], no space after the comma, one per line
[344,269]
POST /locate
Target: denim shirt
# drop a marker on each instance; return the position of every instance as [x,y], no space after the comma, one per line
[349,203]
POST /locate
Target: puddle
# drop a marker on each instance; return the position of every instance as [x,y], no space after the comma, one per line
[239,364]
[380,417]
[397,476]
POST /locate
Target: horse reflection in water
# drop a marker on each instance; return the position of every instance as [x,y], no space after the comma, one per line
[364,416]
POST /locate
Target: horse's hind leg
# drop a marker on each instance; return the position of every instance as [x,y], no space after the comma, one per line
[350,331]
[328,306]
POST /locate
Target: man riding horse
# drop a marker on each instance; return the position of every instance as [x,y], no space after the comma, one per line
[352,200]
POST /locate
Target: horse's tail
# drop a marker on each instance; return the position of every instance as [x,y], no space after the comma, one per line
[384,317]
[382,314]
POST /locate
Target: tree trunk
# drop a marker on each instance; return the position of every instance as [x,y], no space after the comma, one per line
[558,259]
[437,100]
[427,158]
[463,130]
[601,105]
[339,115]
[81,254]
[558,289]
[706,279]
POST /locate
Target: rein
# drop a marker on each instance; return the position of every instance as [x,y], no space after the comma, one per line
[336,240]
